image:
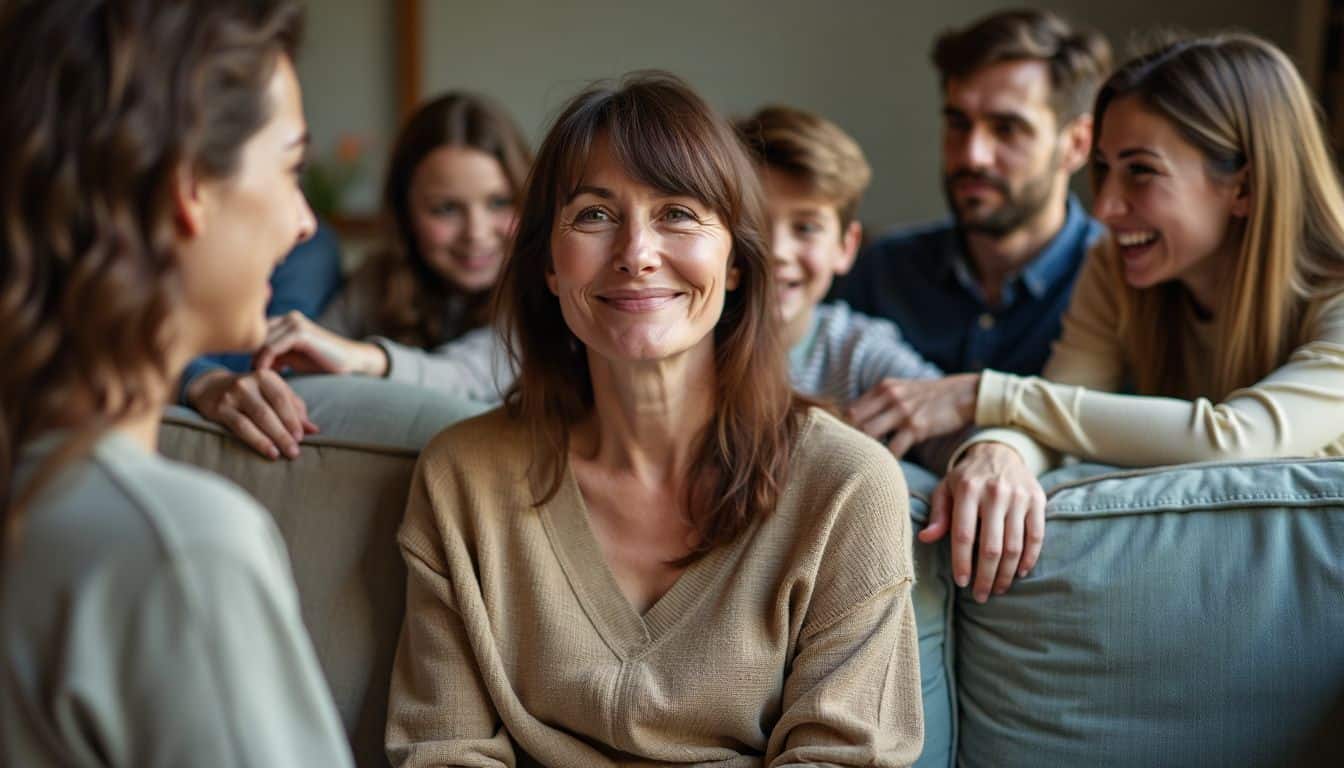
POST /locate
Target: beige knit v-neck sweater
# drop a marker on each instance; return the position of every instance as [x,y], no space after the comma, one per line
[795,644]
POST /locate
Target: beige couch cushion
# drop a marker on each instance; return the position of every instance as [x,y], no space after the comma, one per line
[338,507]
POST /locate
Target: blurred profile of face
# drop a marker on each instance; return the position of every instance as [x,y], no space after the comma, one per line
[246,224]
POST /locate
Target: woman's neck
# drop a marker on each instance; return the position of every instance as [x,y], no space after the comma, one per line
[647,415]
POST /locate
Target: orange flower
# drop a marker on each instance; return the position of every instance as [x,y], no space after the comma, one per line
[350,148]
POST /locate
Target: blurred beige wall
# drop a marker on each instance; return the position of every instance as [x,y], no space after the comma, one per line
[863,64]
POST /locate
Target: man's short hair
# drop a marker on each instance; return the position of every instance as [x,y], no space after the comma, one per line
[813,150]
[1078,59]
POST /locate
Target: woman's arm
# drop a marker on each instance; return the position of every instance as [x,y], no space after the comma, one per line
[439,711]
[852,696]
[1294,411]
[474,366]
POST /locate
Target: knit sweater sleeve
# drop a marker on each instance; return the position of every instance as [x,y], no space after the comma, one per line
[1294,411]
[474,366]
[852,695]
[439,711]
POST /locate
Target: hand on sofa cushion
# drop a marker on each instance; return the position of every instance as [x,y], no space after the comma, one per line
[296,342]
[992,488]
[258,406]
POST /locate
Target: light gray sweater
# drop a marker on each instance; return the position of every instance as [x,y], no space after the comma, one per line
[473,365]
[148,617]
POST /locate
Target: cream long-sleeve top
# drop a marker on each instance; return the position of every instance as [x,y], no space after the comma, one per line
[795,644]
[1297,410]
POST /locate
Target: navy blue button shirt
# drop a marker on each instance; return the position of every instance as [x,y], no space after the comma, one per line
[921,280]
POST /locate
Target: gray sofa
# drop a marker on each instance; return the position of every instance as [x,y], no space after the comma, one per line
[1178,616]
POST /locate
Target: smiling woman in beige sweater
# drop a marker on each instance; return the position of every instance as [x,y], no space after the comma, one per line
[656,553]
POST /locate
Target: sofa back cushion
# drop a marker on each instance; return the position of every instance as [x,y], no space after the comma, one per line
[338,507]
[1177,616]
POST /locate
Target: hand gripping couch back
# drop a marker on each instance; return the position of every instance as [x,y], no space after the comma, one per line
[338,507]
[1179,616]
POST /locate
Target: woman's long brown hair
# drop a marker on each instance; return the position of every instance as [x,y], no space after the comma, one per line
[664,135]
[105,102]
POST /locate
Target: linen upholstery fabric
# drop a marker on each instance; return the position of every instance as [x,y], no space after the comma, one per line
[1182,616]
[337,507]
[933,596]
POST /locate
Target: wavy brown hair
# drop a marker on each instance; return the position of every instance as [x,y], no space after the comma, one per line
[665,136]
[106,102]
[1240,101]
[410,297]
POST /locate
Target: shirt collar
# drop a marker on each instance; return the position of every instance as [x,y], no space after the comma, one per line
[1054,263]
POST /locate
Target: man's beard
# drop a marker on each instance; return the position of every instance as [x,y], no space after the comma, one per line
[1016,209]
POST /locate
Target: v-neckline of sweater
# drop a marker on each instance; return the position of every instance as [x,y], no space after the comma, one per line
[622,627]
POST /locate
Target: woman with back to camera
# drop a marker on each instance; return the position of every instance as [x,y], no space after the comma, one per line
[1216,300]
[656,552]
[455,175]
[149,159]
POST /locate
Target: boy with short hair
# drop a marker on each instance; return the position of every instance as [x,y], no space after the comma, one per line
[814,175]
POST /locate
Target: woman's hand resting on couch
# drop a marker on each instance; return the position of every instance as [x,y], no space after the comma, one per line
[991,489]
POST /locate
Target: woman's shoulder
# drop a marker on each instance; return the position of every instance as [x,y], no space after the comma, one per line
[826,443]
[835,462]
[493,439]
[133,503]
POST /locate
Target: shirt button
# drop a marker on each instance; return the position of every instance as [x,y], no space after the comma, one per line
[986,321]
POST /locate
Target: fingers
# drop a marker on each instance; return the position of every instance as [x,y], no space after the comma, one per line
[245,430]
[1013,524]
[280,398]
[938,508]
[965,505]
[266,419]
[993,506]
[1034,534]
[881,410]
[901,443]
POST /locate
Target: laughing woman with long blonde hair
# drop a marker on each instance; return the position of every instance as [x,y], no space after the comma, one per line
[1216,301]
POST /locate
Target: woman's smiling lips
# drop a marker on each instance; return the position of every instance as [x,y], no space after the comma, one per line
[639,300]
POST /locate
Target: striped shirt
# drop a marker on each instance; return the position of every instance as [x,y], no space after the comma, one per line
[844,354]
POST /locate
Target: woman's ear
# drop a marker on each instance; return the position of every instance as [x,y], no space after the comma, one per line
[734,276]
[188,205]
[1241,203]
